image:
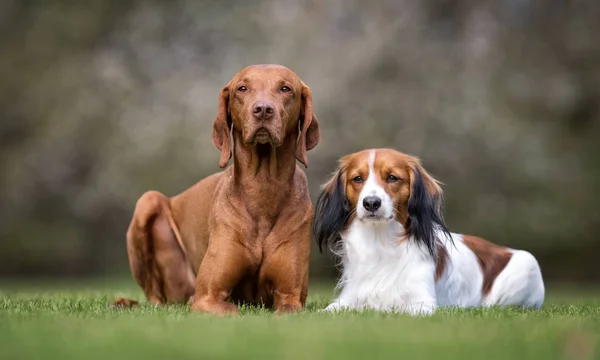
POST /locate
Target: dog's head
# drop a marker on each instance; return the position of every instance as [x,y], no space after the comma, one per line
[378,187]
[267,104]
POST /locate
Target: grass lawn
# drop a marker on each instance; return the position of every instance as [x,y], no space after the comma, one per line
[73,321]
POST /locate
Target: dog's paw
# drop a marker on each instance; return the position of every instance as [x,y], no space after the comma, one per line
[288,309]
[218,308]
[122,303]
[333,307]
[418,310]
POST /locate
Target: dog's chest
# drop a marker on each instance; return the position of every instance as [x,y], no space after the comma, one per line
[380,270]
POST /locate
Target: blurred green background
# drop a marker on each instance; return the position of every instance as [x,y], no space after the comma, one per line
[102,100]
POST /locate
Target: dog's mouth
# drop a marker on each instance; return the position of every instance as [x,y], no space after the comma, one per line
[375,217]
[262,136]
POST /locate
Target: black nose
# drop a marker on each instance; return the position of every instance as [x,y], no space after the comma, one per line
[263,110]
[372,203]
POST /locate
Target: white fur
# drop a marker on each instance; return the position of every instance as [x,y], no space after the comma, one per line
[520,283]
[381,273]
[372,188]
[460,284]
[383,270]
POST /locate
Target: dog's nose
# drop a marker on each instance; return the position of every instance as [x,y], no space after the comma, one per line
[371,203]
[263,110]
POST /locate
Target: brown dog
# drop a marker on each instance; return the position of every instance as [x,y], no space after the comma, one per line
[242,234]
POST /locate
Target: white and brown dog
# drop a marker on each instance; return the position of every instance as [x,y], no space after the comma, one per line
[382,214]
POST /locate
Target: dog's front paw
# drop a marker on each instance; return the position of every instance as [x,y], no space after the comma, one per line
[420,309]
[333,307]
[288,309]
[218,308]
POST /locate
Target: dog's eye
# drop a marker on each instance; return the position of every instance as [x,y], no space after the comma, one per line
[242,88]
[391,179]
[358,179]
[285,89]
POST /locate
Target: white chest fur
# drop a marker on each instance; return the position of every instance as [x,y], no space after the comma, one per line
[384,272]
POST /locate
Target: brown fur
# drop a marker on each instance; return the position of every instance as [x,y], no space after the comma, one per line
[492,259]
[241,234]
[441,262]
[387,162]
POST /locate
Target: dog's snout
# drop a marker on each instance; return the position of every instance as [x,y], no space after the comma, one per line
[263,110]
[371,203]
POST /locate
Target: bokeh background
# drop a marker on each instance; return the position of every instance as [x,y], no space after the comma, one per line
[101,100]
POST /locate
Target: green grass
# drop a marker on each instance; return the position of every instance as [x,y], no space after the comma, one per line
[73,321]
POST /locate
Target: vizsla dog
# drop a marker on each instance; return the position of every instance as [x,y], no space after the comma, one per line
[243,234]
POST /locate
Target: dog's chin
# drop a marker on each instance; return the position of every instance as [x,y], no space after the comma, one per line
[262,136]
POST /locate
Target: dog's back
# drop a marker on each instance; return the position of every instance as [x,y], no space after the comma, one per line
[480,273]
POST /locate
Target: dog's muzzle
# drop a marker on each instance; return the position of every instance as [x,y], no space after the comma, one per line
[262,136]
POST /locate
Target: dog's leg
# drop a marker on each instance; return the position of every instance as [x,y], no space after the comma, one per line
[156,258]
[519,284]
[287,269]
[222,268]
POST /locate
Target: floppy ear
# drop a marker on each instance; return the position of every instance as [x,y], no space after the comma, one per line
[425,208]
[331,212]
[221,137]
[309,127]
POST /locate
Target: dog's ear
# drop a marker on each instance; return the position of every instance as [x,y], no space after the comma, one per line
[309,127]
[221,129]
[331,212]
[425,208]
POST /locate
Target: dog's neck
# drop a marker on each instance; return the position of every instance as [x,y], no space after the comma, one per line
[382,269]
[264,173]
[364,239]
[264,161]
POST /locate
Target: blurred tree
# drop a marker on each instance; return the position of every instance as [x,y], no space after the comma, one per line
[103,100]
